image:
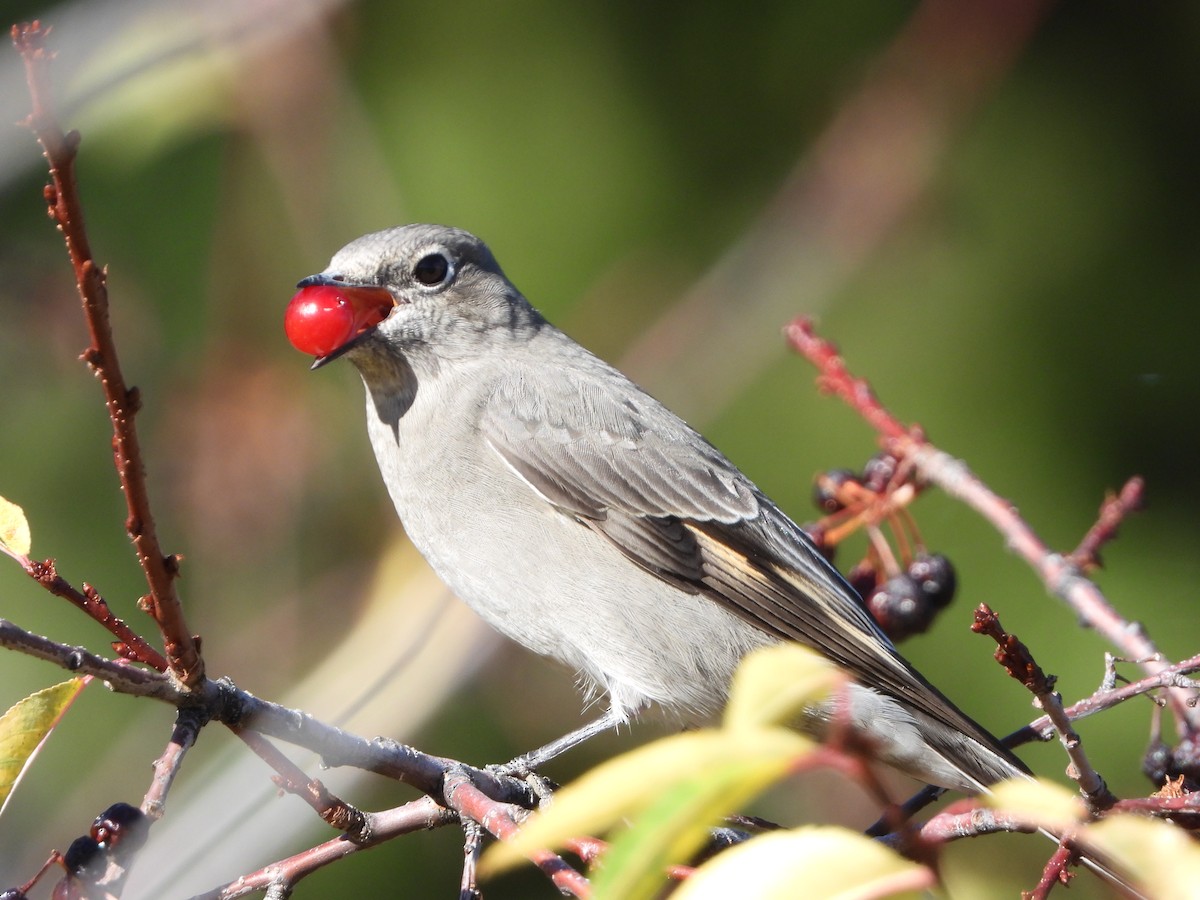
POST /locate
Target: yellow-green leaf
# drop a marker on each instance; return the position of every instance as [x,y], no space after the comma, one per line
[26,725]
[624,786]
[815,862]
[675,826]
[1046,804]
[14,528]
[1161,857]
[774,684]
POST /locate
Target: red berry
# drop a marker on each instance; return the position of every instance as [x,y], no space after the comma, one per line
[321,318]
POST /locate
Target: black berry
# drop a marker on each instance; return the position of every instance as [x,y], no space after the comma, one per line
[878,472]
[121,824]
[936,577]
[85,859]
[900,607]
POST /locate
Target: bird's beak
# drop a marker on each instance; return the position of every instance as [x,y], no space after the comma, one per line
[371,304]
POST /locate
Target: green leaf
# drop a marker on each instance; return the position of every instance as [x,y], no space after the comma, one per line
[774,684]
[626,785]
[14,529]
[815,862]
[676,825]
[25,727]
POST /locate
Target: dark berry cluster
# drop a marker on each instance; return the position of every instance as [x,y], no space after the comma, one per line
[903,588]
[906,603]
[116,835]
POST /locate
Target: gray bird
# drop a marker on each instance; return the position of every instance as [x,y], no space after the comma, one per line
[586,521]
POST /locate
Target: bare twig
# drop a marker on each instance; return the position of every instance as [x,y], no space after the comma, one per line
[1173,676]
[119,674]
[65,208]
[1020,664]
[966,819]
[1056,871]
[188,722]
[1113,511]
[502,821]
[468,886]
[291,778]
[420,814]
[221,701]
[129,644]
[1164,805]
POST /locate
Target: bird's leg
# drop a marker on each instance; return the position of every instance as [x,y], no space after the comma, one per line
[529,762]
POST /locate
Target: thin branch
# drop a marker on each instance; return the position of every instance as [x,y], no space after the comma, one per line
[1061,578]
[502,821]
[119,674]
[291,778]
[1173,676]
[1012,653]
[1113,511]
[418,815]
[66,209]
[1056,871]
[188,722]
[129,643]
[221,701]
[954,824]
[468,885]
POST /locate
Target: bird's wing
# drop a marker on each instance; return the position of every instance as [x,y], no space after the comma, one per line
[606,453]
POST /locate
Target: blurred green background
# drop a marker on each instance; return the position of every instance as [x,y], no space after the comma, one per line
[991,207]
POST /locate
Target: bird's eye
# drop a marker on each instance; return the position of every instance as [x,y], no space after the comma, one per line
[432,269]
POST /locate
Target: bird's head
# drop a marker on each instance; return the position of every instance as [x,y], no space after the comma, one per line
[401,290]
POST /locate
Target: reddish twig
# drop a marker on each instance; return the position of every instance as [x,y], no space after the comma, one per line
[835,378]
[967,819]
[1061,578]
[129,644]
[502,820]
[1020,664]
[284,874]
[1056,871]
[1113,511]
[292,779]
[65,208]
[1164,805]
[468,884]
